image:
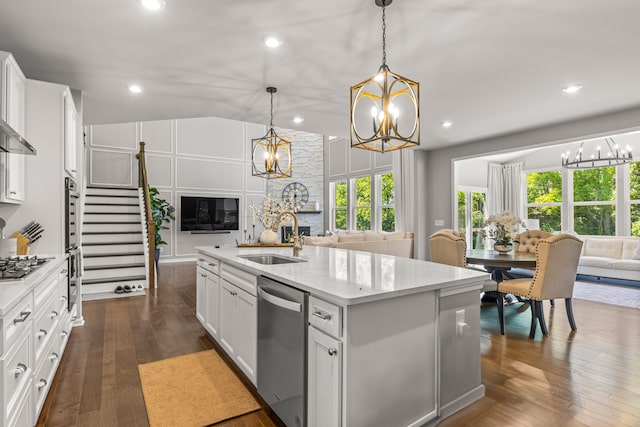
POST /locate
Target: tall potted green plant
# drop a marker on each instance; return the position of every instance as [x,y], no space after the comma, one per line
[162,212]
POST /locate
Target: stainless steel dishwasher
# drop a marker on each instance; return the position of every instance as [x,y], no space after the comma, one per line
[282,350]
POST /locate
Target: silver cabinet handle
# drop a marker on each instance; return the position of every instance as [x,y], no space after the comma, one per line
[211,265]
[53,356]
[203,275]
[19,370]
[200,259]
[54,314]
[321,315]
[332,351]
[42,384]
[64,333]
[73,170]
[74,318]
[42,333]
[63,298]
[65,271]
[23,316]
[13,193]
[234,293]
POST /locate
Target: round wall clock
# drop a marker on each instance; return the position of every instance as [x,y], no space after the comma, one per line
[296,192]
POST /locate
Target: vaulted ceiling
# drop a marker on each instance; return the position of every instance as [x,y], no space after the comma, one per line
[492,67]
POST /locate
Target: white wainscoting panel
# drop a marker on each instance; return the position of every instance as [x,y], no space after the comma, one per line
[121,135]
[157,135]
[211,137]
[338,155]
[159,170]
[383,160]
[360,160]
[111,168]
[209,174]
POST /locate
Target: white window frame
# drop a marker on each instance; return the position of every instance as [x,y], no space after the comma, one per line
[563,176]
[379,205]
[617,203]
[334,208]
[353,209]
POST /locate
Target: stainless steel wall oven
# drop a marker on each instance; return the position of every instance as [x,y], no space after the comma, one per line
[72,198]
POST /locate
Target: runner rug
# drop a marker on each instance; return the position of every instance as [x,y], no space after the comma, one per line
[197,389]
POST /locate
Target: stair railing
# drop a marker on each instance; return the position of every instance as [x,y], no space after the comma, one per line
[151,224]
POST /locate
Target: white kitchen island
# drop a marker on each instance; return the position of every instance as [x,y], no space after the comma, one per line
[391,341]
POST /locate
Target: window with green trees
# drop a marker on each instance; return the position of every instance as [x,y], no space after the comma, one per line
[544,199]
[362,193]
[386,202]
[594,197]
[339,205]
[634,197]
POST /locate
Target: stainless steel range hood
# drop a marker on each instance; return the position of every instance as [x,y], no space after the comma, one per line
[12,142]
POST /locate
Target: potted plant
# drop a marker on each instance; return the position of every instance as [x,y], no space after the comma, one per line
[500,228]
[162,212]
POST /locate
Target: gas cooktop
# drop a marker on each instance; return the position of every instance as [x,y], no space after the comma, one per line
[18,267]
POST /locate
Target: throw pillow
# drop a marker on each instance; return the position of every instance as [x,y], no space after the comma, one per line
[636,253]
[351,237]
[396,235]
[373,237]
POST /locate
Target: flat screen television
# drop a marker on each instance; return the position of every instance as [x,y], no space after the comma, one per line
[209,213]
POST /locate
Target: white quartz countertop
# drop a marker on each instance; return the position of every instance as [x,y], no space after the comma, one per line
[350,277]
[12,291]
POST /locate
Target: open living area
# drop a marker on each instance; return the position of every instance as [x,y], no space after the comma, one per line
[375,213]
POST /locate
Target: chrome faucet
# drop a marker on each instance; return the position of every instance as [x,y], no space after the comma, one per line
[297,244]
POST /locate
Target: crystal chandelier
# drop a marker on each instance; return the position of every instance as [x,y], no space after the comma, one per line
[612,156]
[385,109]
[271,155]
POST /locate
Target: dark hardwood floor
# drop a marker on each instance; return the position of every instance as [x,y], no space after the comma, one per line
[585,378]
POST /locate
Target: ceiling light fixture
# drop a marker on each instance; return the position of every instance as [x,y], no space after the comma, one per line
[614,156]
[447,124]
[134,88]
[298,119]
[572,89]
[272,41]
[153,4]
[379,100]
[271,155]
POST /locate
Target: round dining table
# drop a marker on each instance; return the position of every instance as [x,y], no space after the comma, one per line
[499,263]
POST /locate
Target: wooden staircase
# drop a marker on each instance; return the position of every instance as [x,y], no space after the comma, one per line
[113,241]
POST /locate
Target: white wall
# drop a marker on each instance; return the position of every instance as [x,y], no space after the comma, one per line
[195,157]
[472,173]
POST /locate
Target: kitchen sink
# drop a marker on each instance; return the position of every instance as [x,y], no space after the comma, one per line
[270,259]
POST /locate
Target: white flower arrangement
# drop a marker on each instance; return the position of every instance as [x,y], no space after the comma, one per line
[270,210]
[501,227]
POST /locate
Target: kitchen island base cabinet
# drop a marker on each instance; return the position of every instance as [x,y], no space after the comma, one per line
[207,296]
[324,381]
[238,327]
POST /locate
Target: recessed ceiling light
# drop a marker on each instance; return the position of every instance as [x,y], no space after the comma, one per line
[572,88]
[298,119]
[272,41]
[153,4]
[135,88]
[447,124]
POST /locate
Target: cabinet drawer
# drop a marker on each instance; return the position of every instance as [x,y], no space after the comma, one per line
[63,292]
[245,281]
[44,373]
[210,264]
[15,322]
[43,292]
[24,413]
[17,369]
[65,331]
[325,316]
[44,327]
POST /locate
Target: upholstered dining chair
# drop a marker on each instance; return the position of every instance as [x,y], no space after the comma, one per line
[556,265]
[449,247]
[526,242]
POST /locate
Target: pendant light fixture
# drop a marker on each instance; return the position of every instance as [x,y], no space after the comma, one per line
[385,109]
[271,155]
[614,155]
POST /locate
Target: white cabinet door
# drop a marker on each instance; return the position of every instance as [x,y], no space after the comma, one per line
[324,381]
[226,332]
[69,135]
[201,295]
[15,109]
[213,303]
[247,330]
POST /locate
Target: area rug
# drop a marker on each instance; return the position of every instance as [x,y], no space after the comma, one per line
[196,390]
[625,296]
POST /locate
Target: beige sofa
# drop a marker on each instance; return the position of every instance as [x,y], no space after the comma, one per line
[610,256]
[397,243]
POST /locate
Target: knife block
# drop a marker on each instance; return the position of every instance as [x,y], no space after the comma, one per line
[23,248]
